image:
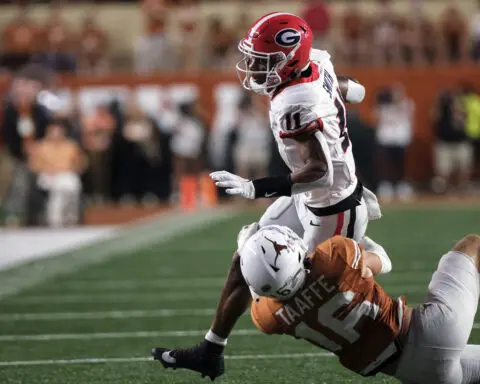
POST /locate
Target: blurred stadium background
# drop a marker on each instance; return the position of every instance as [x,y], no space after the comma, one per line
[116,111]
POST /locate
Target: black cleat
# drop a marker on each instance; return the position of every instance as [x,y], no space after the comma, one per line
[205,358]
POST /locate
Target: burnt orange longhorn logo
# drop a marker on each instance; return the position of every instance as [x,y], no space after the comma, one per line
[278,249]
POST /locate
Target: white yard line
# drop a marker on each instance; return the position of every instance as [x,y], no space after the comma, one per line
[142,359]
[115,297]
[151,296]
[145,233]
[163,281]
[183,284]
[129,335]
[56,316]
[119,335]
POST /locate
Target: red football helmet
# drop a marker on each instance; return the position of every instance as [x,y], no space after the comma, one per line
[276,49]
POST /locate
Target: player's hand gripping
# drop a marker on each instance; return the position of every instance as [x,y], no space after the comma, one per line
[235,185]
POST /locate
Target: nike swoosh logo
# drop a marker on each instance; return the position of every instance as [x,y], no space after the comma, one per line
[313,224]
[270,194]
[167,358]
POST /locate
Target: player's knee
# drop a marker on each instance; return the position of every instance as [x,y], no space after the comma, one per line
[469,245]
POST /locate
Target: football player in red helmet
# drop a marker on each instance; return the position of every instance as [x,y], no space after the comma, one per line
[322,196]
[277,49]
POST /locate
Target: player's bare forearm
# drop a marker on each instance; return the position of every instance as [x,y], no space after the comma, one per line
[312,155]
[234,300]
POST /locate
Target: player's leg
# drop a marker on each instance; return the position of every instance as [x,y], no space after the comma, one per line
[440,329]
[470,362]
[352,223]
[234,301]
[235,298]
[283,212]
[207,357]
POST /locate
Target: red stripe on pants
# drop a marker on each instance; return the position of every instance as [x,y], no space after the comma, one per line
[340,220]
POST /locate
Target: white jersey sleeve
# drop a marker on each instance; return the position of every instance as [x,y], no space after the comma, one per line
[305,108]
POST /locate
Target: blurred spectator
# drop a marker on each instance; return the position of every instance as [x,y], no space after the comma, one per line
[187,143]
[57,45]
[429,41]
[57,161]
[252,140]
[317,15]
[471,100]
[475,33]
[220,41]
[454,35]
[410,41]
[152,50]
[362,136]
[93,48]
[238,32]
[452,149]
[27,111]
[142,155]
[242,26]
[394,118]
[98,129]
[385,35]
[14,191]
[20,40]
[188,21]
[353,47]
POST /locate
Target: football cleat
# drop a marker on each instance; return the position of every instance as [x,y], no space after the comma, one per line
[205,358]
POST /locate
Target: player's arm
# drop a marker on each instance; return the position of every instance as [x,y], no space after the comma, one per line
[351,89]
[318,168]
[374,256]
[367,256]
[317,172]
[312,146]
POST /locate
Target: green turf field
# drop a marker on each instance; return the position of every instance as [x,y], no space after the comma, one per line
[165,294]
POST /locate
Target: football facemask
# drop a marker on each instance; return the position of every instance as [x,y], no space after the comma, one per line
[258,72]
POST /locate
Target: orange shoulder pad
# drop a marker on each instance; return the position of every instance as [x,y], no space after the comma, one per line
[343,248]
[263,315]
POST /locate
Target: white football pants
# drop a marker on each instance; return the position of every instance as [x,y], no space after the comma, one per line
[293,213]
[436,349]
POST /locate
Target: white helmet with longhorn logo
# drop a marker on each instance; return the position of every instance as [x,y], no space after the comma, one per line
[272,262]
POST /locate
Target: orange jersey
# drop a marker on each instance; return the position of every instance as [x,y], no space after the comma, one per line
[339,310]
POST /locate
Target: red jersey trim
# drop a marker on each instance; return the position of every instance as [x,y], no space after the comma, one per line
[315,75]
[315,125]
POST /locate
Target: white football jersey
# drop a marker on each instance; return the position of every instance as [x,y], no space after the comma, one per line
[303,102]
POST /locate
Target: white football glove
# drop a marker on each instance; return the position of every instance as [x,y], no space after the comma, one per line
[235,185]
[372,246]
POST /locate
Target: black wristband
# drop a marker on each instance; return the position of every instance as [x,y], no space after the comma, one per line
[273,186]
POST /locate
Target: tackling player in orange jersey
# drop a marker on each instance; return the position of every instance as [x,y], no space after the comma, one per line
[337,305]
[330,298]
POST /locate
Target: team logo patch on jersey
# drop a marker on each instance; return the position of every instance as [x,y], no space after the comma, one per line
[287,37]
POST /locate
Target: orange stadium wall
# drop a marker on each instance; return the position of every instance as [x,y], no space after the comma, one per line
[422,85]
